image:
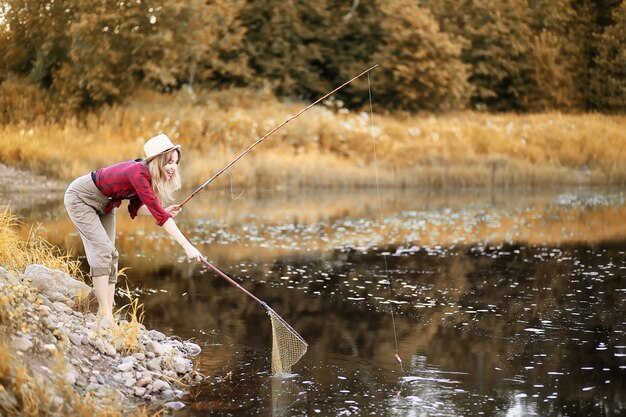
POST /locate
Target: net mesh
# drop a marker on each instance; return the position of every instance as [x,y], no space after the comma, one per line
[287,345]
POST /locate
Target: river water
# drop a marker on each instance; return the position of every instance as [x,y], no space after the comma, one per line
[498,304]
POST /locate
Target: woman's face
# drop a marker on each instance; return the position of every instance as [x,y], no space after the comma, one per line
[171,163]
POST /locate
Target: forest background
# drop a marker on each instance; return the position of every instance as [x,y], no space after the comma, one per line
[468,92]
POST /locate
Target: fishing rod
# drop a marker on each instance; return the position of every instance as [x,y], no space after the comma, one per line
[218,173]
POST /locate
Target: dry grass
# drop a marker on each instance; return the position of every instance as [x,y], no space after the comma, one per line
[24,392]
[17,253]
[327,146]
[125,333]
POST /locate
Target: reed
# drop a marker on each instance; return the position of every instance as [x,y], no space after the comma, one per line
[328,146]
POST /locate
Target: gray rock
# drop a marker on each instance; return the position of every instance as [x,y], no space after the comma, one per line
[109,350]
[57,297]
[75,339]
[130,359]
[49,347]
[71,377]
[168,394]
[81,381]
[175,405]
[154,364]
[43,310]
[192,349]
[140,391]
[125,366]
[160,385]
[143,382]
[156,348]
[49,281]
[181,365]
[156,336]
[62,307]
[21,343]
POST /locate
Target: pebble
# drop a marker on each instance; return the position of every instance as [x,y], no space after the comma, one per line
[143,382]
[44,310]
[75,339]
[168,394]
[110,350]
[175,405]
[21,343]
[156,335]
[192,348]
[156,348]
[62,307]
[154,364]
[160,385]
[125,366]
[181,365]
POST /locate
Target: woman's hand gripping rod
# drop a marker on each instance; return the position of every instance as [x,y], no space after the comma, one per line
[218,173]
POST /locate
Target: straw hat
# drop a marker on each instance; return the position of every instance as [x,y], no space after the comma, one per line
[158,145]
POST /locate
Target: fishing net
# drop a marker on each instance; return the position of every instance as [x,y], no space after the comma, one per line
[287,345]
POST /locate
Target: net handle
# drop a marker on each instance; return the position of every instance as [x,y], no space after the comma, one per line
[229,279]
[249,294]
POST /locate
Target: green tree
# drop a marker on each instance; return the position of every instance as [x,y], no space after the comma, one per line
[285,44]
[91,53]
[497,48]
[34,38]
[558,58]
[422,69]
[609,74]
[353,38]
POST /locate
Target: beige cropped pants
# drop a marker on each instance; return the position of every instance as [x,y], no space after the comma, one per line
[85,204]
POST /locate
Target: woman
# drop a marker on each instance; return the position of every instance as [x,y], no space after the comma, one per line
[91,202]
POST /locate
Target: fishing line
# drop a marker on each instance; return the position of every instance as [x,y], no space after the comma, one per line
[232,195]
[380,211]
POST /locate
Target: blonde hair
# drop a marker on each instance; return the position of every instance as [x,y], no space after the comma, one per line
[162,187]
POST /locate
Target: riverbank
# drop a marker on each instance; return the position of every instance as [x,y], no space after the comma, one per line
[55,360]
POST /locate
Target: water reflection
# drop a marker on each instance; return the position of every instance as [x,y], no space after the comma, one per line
[505,305]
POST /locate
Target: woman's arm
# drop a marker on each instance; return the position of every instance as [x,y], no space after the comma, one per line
[171,228]
[143,210]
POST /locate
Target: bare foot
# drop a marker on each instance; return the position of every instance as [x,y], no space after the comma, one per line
[105,321]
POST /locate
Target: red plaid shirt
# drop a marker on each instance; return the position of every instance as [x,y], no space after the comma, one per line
[130,180]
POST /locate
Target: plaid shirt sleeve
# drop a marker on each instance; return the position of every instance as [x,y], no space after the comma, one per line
[140,180]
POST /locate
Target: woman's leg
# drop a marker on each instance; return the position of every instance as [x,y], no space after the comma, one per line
[105,315]
[98,246]
[108,221]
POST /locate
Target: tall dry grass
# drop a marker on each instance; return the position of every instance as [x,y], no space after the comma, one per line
[16,252]
[328,146]
[25,390]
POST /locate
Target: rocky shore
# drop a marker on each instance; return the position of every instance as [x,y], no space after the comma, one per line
[49,330]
